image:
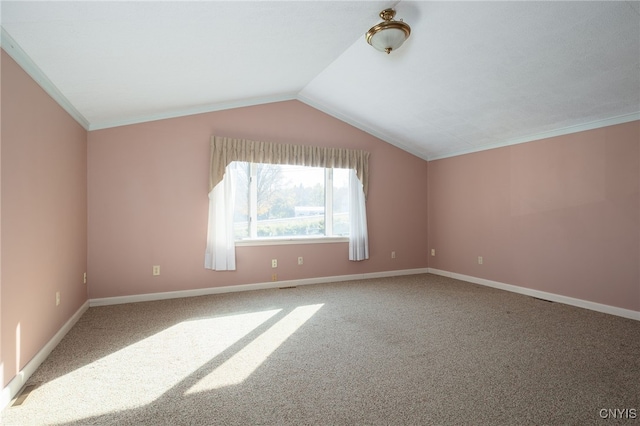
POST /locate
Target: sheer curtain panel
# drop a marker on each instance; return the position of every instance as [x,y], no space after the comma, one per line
[358,234]
[221,248]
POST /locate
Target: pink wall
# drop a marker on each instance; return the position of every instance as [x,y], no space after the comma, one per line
[148,202]
[3,374]
[44,217]
[560,215]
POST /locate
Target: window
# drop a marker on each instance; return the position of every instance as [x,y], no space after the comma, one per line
[267,206]
[287,201]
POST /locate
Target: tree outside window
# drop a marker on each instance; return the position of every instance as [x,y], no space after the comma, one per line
[275,201]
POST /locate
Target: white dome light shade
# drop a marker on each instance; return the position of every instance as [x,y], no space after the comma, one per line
[388,40]
[388,35]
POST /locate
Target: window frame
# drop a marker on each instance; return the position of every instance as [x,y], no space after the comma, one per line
[254,240]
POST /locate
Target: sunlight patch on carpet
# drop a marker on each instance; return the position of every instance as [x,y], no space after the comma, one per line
[241,365]
[143,371]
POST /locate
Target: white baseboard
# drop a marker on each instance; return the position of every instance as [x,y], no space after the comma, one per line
[11,390]
[248,287]
[14,386]
[599,307]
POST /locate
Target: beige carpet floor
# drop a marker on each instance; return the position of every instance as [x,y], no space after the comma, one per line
[419,349]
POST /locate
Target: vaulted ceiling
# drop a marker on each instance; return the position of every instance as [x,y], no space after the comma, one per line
[472,76]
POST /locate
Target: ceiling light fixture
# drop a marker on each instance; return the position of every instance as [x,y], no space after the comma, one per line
[389,34]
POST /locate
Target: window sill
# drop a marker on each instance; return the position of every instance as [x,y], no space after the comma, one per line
[290,240]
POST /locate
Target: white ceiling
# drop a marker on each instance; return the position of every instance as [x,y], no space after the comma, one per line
[473,75]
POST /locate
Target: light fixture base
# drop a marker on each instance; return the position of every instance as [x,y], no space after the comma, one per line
[387,14]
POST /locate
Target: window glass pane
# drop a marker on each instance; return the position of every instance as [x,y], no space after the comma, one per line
[341,202]
[241,209]
[290,201]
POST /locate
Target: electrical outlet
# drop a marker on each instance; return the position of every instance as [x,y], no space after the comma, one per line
[433,252]
[84,278]
[156,269]
[480,260]
[274,277]
[57,298]
[393,254]
[274,263]
[300,260]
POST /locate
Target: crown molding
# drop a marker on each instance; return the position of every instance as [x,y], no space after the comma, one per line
[14,50]
[202,109]
[621,119]
[612,121]
[355,123]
